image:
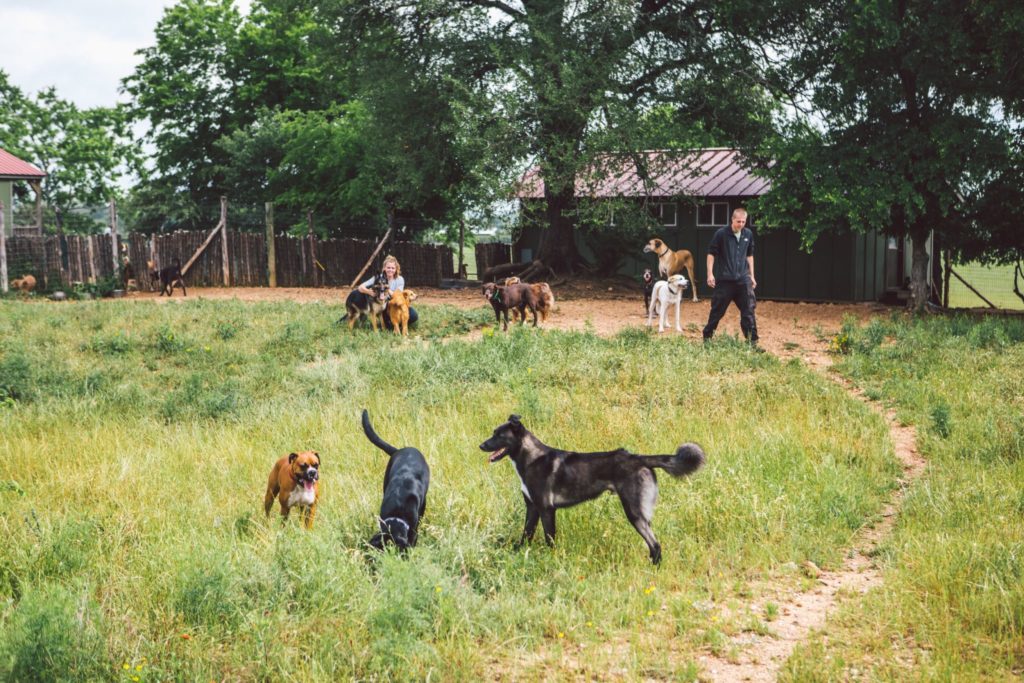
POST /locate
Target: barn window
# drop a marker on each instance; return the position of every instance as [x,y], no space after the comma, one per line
[664,213]
[713,214]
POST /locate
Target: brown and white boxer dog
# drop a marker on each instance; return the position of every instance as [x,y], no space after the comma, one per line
[295,482]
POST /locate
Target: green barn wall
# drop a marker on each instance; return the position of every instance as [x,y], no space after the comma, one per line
[840,267]
[5,197]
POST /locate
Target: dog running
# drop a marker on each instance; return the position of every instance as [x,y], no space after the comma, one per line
[406,481]
[666,293]
[358,305]
[171,276]
[295,482]
[552,478]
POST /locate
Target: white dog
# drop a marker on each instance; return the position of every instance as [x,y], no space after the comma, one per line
[666,292]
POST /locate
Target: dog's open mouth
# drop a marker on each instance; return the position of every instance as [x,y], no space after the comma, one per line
[498,455]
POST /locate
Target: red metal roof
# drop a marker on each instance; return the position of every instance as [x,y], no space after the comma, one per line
[712,172]
[13,168]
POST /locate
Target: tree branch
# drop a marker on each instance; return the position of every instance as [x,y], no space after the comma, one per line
[502,7]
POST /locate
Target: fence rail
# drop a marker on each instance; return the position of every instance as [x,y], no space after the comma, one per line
[300,261]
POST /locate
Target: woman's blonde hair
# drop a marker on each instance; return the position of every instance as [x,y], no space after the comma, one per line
[392,259]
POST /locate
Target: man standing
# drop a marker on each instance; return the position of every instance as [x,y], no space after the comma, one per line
[731,275]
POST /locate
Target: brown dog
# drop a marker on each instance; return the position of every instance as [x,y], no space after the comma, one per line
[398,310]
[25,283]
[295,482]
[672,262]
[518,297]
[545,298]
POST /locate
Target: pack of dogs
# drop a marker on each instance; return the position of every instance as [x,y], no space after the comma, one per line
[549,479]
[518,297]
[660,294]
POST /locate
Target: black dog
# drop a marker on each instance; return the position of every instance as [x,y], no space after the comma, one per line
[406,481]
[648,288]
[170,276]
[553,478]
[358,304]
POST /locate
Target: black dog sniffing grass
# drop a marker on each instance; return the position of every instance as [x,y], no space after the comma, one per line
[552,478]
[406,481]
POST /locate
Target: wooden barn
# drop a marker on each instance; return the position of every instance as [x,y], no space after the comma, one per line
[691,194]
[12,170]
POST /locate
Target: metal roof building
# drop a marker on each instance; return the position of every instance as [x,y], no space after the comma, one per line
[690,194]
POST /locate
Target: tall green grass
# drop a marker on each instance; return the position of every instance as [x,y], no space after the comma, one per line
[952,606]
[136,442]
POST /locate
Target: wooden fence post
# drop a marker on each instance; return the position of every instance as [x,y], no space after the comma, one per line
[224,240]
[312,245]
[3,251]
[271,263]
[113,235]
[92,258]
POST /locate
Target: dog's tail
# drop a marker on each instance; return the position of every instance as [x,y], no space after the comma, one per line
[374,439]
[688,459]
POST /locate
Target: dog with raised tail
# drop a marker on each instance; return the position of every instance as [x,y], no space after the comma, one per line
[665,294]
[406,481]
[551,478]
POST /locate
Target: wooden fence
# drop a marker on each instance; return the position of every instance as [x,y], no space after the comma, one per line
[301,261]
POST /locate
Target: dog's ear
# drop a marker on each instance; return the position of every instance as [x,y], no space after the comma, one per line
[291,457]
[317,454]
[411,294]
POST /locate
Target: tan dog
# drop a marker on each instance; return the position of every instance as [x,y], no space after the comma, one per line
[295,482]
[672,262]
[154,275]
[545,297]
[25,283]
[398,310]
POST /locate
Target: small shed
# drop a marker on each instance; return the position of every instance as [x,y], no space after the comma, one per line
[13,169]
[692,193]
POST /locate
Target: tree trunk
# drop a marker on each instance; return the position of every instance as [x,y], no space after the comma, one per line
[557,242]
[919,290]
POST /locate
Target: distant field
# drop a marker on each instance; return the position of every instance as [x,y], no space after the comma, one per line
[995,282]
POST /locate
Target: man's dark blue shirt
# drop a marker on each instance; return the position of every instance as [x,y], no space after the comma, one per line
[731,254]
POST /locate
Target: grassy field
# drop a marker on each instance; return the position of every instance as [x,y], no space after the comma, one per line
[952,605]
[137,438]
[994,282]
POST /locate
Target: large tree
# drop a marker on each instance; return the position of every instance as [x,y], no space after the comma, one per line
[267,108]
[545,80]
[902,134]
[84,152]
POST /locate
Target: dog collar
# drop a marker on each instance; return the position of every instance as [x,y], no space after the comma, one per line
[396,519]
[659,255]
[497,295]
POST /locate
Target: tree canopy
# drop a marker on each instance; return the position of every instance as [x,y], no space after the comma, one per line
[903,133]
[84,152]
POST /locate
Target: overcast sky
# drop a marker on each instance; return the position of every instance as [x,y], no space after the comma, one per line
[83,47]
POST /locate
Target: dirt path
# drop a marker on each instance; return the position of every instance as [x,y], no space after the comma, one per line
[787,330]
[760,657]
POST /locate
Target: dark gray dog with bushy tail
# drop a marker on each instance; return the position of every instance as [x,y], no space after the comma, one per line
[552,478]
